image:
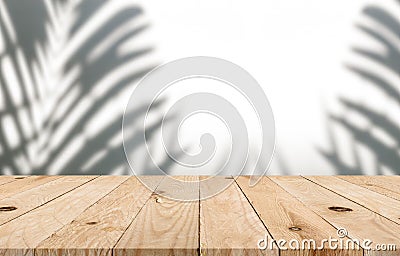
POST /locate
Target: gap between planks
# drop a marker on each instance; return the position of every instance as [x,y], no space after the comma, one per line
[28,230]
[360,222]
[301,213]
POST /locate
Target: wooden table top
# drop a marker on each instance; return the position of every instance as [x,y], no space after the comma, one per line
[117,215]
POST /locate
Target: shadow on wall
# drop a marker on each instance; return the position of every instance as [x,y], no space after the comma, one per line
[62,89]
[386,155]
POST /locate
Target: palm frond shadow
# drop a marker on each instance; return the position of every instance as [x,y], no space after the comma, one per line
[386,156]
[31,32]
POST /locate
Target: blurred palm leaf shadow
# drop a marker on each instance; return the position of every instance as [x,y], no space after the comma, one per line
[51,122]
[386,155]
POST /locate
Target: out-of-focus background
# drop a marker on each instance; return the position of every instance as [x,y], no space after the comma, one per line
[329,69]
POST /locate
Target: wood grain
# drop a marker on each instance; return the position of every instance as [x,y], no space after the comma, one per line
[359,222]
[118,215]
[98,228]
[287,218]
[385,185]
[229,226]
[20,185]
[20,236]
[39,195]
[383,205]
[8,179]
[163,227]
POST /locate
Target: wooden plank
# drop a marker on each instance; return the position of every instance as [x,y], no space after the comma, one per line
[20,185]
[98,228]
[172,187]
[383,205]
[229,225]
[163,227]
[385,185]
[287,218]
[8,179]
[108,215]
[30,199]
[21,235]
[359,222]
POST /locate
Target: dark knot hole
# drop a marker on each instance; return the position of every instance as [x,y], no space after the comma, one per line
[294,228]
[7,208]
[340,209]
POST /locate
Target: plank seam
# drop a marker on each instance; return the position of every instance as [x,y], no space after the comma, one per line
[364,252]
[198,222]
[34,249]
[23,191]
[48,201]
[259,217]
[373,190]
[141,208]
[8,182]
[352,200]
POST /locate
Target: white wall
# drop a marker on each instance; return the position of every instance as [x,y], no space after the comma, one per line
[295,49]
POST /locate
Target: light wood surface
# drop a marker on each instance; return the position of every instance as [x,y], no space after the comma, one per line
[22,235]
[99,226]
[37,196]
[359,222]
[287,218]
[8,179]
[21,184]
[363,196]
[385,185]
[163,227]
[118,215]
[229,225]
